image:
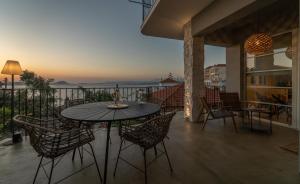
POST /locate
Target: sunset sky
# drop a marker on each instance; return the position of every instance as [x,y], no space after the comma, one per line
[87,41]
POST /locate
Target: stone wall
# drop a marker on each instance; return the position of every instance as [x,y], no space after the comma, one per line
[193,74]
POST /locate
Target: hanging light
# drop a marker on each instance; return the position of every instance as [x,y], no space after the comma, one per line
[289,52]
[258,43]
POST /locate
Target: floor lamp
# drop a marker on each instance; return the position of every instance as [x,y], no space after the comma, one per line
[12,68]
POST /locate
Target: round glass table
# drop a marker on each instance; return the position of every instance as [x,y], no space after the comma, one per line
[101,112]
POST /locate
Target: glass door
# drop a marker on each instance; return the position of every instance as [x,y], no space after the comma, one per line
[269,79]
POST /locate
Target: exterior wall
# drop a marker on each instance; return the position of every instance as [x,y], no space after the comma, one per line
[233,64]
[215,75]
[193,74]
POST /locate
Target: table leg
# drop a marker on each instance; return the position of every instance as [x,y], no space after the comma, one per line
[271,116]
[243,118]
[251,119]
[74,151]
[106,151]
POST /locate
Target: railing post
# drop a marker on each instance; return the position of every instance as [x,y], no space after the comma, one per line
[26,102]
[4,104]
[47,108]
[40,108]
[33,101]
[12,106]
[19,101]
[148,93]
[53,105]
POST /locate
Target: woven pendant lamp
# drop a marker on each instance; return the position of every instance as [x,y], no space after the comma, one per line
[289,52]
[258,43]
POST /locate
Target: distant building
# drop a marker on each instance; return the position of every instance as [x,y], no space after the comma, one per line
[215,75]
[170,81]
[170,97]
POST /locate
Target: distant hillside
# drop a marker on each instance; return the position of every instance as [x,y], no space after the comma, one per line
[60,83]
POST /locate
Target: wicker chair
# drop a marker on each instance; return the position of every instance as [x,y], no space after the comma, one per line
[148,135]
[74,102]
[51,139]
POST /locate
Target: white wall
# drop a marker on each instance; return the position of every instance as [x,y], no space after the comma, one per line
[233,68]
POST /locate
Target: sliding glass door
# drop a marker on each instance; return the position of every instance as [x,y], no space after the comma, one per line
[269,79]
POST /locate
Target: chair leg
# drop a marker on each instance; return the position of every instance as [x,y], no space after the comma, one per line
[155,151]
[80,154]
[145,166]
[37,171]
[170,165]
[119,153]
[51,171]
[205,121]
[224,121]
[95,160]
[74,152]
[234,124]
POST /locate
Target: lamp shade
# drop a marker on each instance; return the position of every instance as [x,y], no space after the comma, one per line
[12,67]
[259,43]
[289,52]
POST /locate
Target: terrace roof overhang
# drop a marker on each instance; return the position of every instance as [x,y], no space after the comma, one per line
[274,18]
[221,22]
[167,17]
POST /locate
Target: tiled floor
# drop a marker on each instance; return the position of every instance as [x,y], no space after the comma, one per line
[215,155]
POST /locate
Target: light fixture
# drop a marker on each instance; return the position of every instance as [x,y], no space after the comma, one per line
[258,43]
[12,68]
[289,52]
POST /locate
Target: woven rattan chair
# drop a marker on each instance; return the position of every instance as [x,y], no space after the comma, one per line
[217,114]
[147,136]
[51,139]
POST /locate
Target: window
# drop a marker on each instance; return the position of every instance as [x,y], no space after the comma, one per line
[269,79]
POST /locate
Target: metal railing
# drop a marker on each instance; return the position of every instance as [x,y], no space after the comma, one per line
[43,103]
[147,6]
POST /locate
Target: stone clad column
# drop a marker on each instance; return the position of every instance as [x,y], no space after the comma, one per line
[193,73]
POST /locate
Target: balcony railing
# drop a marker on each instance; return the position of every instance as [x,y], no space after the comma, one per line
[42,103]
[147,6]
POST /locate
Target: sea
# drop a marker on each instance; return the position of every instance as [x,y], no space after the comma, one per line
[129,90]
[121,84]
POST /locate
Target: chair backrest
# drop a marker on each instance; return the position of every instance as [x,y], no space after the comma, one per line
[231,100]
[212,96]
[205,105]
[160,125]
[36,130]
[57,111]
[70,103]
